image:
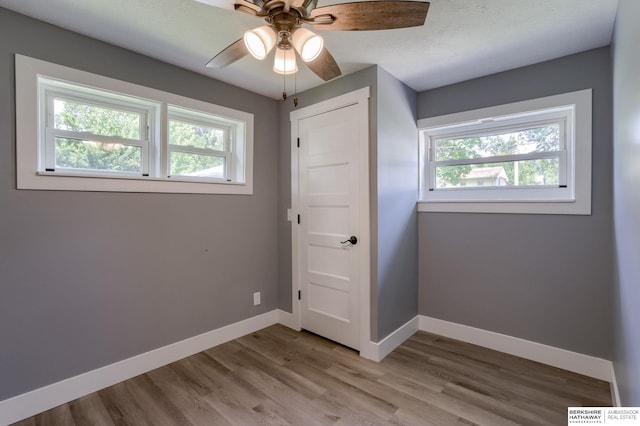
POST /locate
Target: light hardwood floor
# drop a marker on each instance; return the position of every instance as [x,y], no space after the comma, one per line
[279,376]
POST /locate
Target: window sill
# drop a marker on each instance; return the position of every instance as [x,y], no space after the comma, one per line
[56,181]
[567,207]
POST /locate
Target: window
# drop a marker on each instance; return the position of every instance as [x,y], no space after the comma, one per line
[203,146]
[504,154]
[91,132]
[527,157]
[80,131]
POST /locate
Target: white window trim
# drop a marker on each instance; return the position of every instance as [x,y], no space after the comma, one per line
[574,199]
[31,175]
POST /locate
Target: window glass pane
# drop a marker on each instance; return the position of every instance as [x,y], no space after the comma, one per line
[505,174]
[99,120]
[539,139]
[197,136]
[85,154]
[188,164]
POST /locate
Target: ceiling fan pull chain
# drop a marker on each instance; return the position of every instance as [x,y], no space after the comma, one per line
[295,89]
[284,80]
[284,86]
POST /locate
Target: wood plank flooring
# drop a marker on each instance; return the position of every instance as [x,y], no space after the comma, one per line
[278,376]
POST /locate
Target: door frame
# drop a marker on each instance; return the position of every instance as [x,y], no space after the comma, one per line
[360,98]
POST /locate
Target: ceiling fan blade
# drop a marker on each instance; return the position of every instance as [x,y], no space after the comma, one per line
[310,5]
[304,6]
[252,8]
[229,55]
[370,15]
[325,66]
[258,3]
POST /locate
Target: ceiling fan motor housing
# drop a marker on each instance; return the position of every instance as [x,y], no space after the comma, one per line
[284,24]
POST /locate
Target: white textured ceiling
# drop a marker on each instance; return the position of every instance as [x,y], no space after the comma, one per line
[462,39]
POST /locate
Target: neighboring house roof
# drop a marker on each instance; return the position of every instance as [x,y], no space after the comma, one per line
[487,172]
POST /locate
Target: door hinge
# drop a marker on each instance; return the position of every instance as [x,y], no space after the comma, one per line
[298,219]
[299,295]
[298,142]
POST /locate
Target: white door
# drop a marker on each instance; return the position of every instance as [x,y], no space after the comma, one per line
[329,204]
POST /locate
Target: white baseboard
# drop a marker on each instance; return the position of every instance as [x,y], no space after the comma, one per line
[287,319]
[395,339]
[39,400]
[615,392]
[572,361]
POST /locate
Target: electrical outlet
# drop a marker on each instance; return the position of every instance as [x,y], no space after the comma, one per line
[256,298]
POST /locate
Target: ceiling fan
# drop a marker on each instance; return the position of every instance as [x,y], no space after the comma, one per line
[285,31]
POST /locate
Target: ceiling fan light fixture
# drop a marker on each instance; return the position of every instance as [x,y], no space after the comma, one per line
[285,62]
[259,41]
[307,44]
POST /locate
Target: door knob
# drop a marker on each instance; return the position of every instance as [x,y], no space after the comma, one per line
[353,240]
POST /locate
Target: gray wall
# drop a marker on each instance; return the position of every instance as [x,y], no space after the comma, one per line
[88,279]
[626,95]
[397,218]
[544,278]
